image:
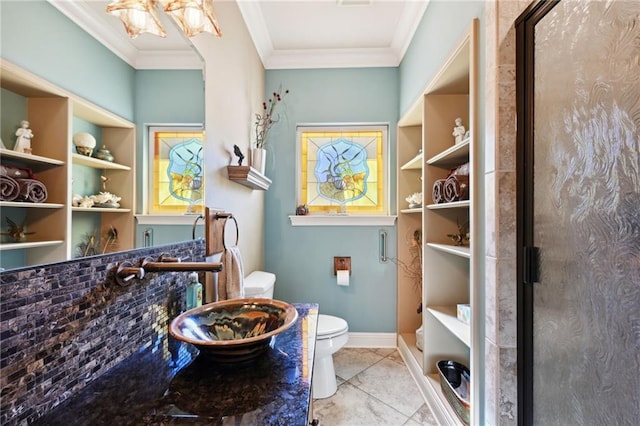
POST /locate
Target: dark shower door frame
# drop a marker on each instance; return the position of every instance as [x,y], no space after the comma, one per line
[526,254]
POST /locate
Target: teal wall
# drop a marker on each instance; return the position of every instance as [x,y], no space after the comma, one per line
[302,257]
[37,37]
[443,26]
[12,110]
[40,39]
[165,97]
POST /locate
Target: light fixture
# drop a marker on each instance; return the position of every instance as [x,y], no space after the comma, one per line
[141,16]
[194,16]
[138,16]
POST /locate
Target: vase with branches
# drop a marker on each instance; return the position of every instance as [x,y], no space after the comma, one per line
[268,117]
[264,121]
[412,267]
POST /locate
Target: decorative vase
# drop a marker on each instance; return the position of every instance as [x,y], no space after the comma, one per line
[259,159]
[104,154]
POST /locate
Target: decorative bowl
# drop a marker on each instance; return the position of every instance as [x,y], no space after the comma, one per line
[454,381]
[234,331]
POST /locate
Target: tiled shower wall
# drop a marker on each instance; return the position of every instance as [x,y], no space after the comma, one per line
[64,324]
[501,382]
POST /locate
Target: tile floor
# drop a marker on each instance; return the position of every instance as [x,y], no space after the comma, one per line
[374,388]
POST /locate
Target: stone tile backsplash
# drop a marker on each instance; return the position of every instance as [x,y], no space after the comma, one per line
[64,324]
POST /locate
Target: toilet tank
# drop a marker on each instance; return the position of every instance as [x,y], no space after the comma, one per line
[259,284]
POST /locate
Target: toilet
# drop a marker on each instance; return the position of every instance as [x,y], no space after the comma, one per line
[332,335]
[259,284]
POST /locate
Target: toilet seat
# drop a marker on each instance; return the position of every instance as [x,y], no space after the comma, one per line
[330,326]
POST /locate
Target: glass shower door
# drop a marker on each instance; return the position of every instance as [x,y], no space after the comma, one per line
[585,214]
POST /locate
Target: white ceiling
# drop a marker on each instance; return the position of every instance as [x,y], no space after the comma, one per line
[287,33]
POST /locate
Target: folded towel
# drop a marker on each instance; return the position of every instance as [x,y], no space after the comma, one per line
[9,188]
[16,172]
[231,278]
[438,191]
[32,190]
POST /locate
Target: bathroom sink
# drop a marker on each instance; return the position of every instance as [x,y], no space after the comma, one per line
[234,331]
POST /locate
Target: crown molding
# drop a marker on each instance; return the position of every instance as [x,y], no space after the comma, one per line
[331,58]
[406,28]
[120,44]
[168,60]
[254,21]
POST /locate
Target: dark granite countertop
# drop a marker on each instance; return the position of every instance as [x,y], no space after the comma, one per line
[169,383]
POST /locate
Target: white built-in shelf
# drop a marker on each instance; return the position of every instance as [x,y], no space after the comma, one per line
[99,209]
[433,381]
[416,210]
[249,177]
[447,315]
[28,245]
[409,339]
[96,163]
[454,155]
[452,205]
[414,164]
[451,249]
[27,204]
[29,158]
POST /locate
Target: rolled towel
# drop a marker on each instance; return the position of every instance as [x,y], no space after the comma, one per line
[438,191]
[32,190]
[9,188]
[456,188]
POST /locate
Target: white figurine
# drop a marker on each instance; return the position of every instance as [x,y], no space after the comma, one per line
[458,131]
[24,134]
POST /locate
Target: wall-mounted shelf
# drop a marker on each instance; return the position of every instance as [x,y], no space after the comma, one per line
[416,210]
[29,244]
[33,205]
[249,177]
[454,155]
[452,205]
[99,209]
[414,164]
[461,251]
[447,316]
[30,159]
[96,163]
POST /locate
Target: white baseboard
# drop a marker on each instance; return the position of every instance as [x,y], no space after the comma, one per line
[372,340]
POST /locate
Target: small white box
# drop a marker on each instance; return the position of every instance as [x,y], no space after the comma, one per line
[464,313]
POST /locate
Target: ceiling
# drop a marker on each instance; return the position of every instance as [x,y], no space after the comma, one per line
[287,33]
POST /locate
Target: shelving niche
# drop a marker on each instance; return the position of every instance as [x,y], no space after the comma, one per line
[448,274]
[55,224]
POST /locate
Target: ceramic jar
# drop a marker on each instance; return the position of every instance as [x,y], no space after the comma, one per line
[104,154]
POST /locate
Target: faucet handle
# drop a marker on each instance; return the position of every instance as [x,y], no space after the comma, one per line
[126,272]
[167,259]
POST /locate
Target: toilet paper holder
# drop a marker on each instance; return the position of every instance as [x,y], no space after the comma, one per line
[342,263]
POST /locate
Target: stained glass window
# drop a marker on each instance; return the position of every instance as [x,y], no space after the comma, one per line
[177,177]
[343,169]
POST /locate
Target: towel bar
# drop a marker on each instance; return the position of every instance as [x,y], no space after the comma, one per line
[215,231]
